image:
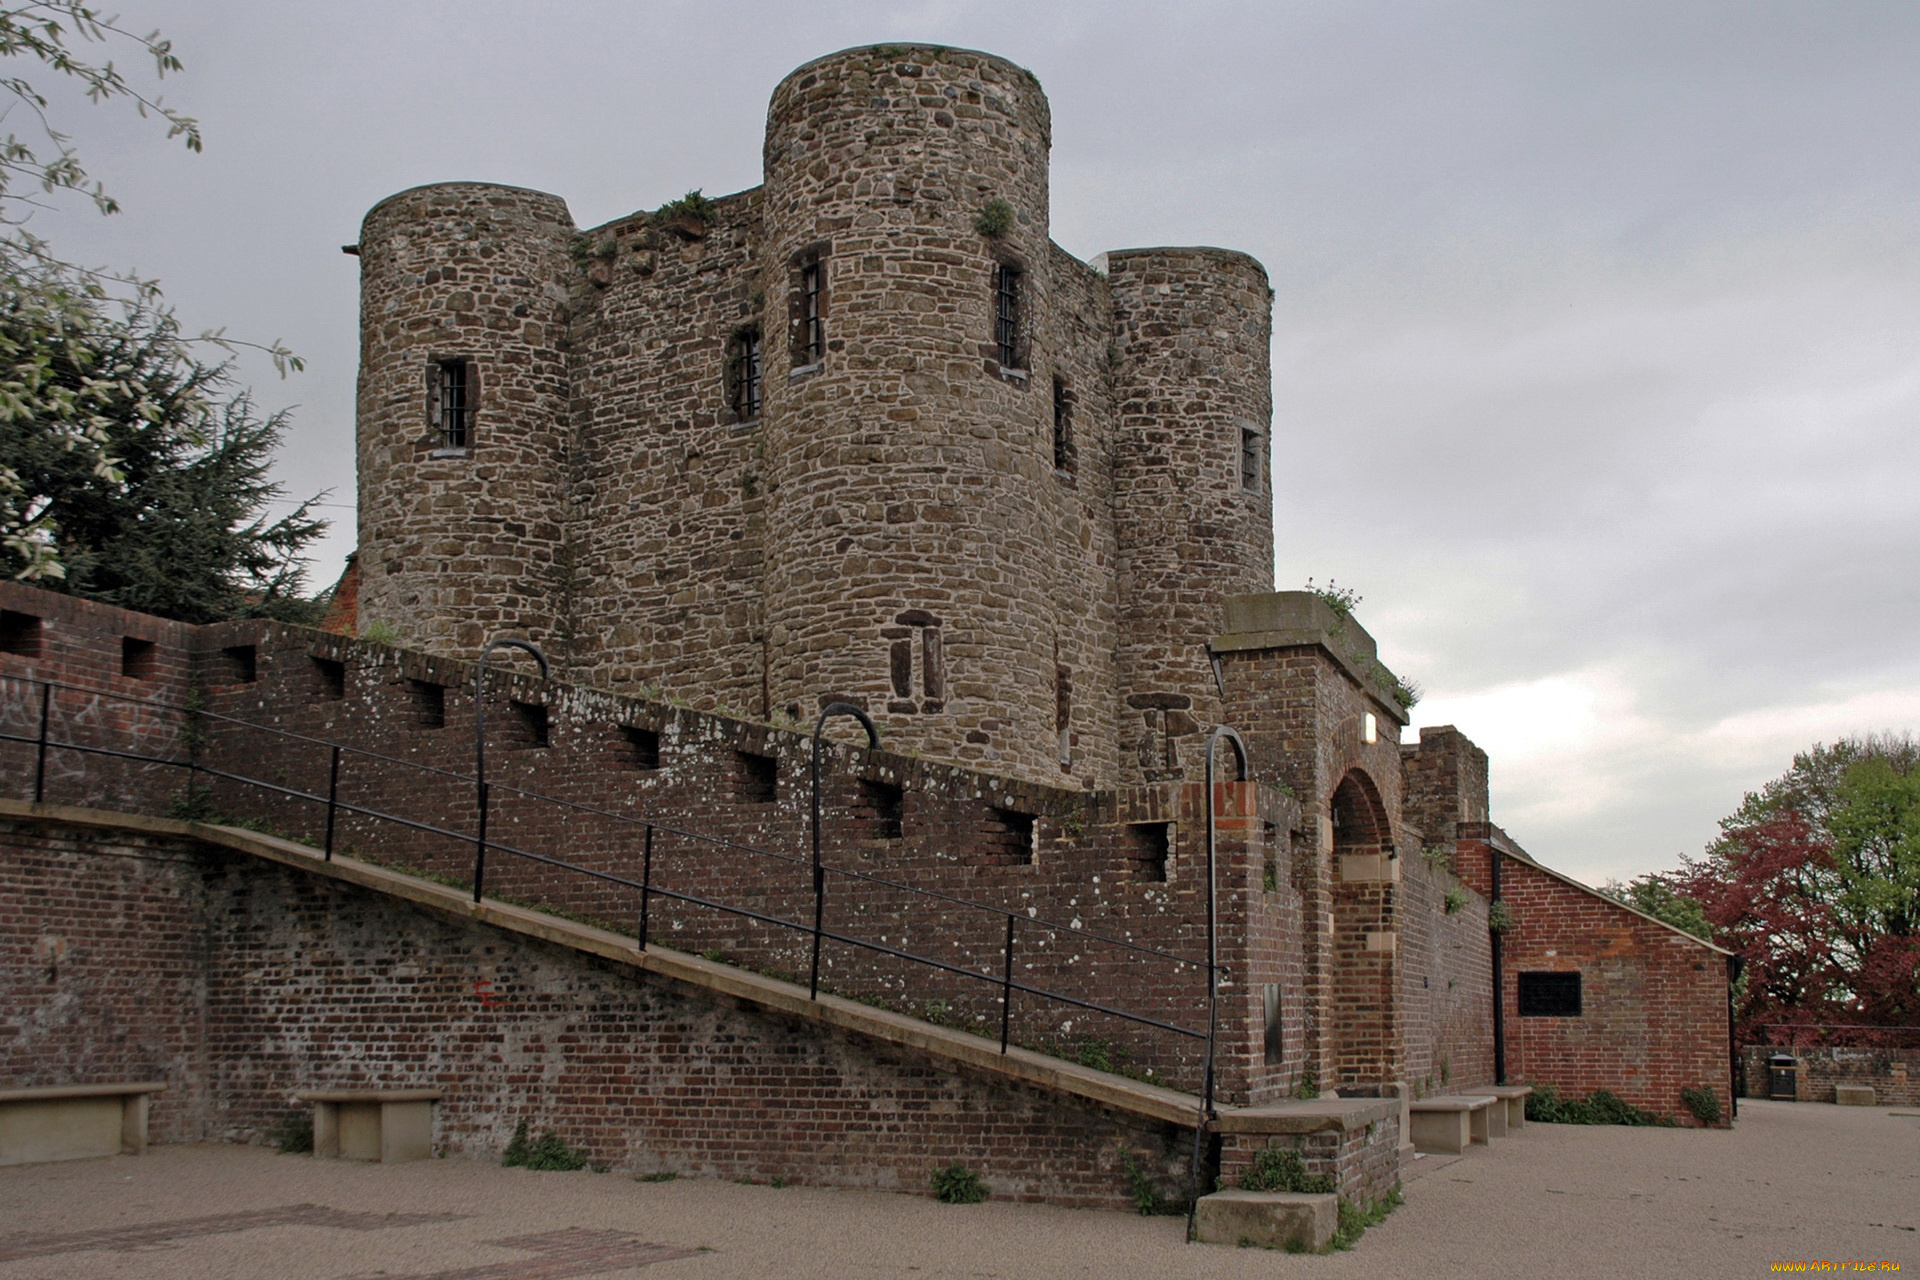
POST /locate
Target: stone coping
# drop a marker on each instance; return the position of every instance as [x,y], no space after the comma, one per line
[53,1092]
[370,1095]
[957,1048]
[1300,620]
[1453,1102]
[1341,1115]
[1508,1091]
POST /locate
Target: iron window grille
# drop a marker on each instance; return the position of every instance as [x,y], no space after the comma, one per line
[743,375]
[1006,314]
[1250,460]
[453,405]
[812,345]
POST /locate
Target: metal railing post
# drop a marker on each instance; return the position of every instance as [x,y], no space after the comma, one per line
[819,871]
[40,759]
[333,798]
[1006,989]
[480,744]
[646,886]
[1213,960]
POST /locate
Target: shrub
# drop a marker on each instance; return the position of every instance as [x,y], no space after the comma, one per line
[547,1153]
[995,220]
[1147,1198]
[295,1134]
[957,1184]
[1703,1102]
[1546,1106]
[1456,901]
[1280,1169]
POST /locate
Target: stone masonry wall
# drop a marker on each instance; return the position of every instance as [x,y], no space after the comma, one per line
[457,544]
[242,983]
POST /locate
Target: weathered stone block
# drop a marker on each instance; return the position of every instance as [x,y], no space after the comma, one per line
[1266,1219]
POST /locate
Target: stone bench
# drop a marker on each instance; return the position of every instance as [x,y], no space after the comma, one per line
[1266,1219]
[74,1121]
[1514,1097]
[1853,1095]
[1448,1125]
[372,1124]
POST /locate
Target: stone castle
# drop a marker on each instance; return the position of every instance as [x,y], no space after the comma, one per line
[863,432]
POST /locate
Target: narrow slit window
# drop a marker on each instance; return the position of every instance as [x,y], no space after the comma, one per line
[743,375]
[453,404]
[1250,460]
[1006,314]
[811,344]
[1062,427]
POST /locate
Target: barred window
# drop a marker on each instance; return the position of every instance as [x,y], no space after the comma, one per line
[1250,460]
[811,344]
[743,374]
[1550,995]
[1062,427]
[1006,314]
[452,409]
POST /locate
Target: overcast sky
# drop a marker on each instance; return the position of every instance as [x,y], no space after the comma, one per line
[1596,327]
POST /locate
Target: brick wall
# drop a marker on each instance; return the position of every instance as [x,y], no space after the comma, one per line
[1892,1074]
[241,982]
[1653,1016]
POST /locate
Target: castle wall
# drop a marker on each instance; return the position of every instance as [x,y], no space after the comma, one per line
[669,486]
[459,543]
[915,564]
[242,983]
[1192,382]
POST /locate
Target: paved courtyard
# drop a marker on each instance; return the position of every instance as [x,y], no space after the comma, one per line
[1791,1183]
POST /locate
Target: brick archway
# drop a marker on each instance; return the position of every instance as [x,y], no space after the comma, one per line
[1365,1035]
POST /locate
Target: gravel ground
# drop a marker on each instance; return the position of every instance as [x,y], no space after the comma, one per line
[1801,1182]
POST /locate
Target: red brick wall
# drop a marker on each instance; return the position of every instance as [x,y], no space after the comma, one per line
[241,983]
[1654,1000]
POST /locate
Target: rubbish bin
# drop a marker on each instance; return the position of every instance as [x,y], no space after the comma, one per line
[1782,1083]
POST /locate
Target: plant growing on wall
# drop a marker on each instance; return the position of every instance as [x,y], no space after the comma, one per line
[1342,600]
[1456,901]
[689,216]
[995,219]
[1500,916]
[1281,1169]
[957,1184]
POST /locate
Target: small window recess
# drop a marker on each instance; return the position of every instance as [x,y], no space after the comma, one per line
[643,746]
[429,704]
[329,679]
[1008,329]
[1063,713]
[1007,839]
[744,381]
[1252,459]
[1150,845]
[809,312]
[530,725]
[451,397]
[139,659]
[1275,1041]
[19,634]
[1062,427]
[885,805]
[1550,995]
[901,663]
[238,664]
[758,778]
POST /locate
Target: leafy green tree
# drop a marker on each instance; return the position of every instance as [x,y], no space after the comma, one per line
[129,470]
[177,524]
[1815,882]
[1655,896]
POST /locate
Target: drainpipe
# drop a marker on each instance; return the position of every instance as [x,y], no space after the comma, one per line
[1735,966]
[1499,980]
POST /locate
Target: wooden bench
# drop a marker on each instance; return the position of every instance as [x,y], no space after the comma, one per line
[74,1121]
[1447,1125]
[372,1124]
[1514,1098]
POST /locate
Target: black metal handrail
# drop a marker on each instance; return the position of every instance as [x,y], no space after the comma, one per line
[44,742]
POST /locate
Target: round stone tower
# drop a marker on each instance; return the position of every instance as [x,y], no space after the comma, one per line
[1192,488]
[908,409]
[462,413]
